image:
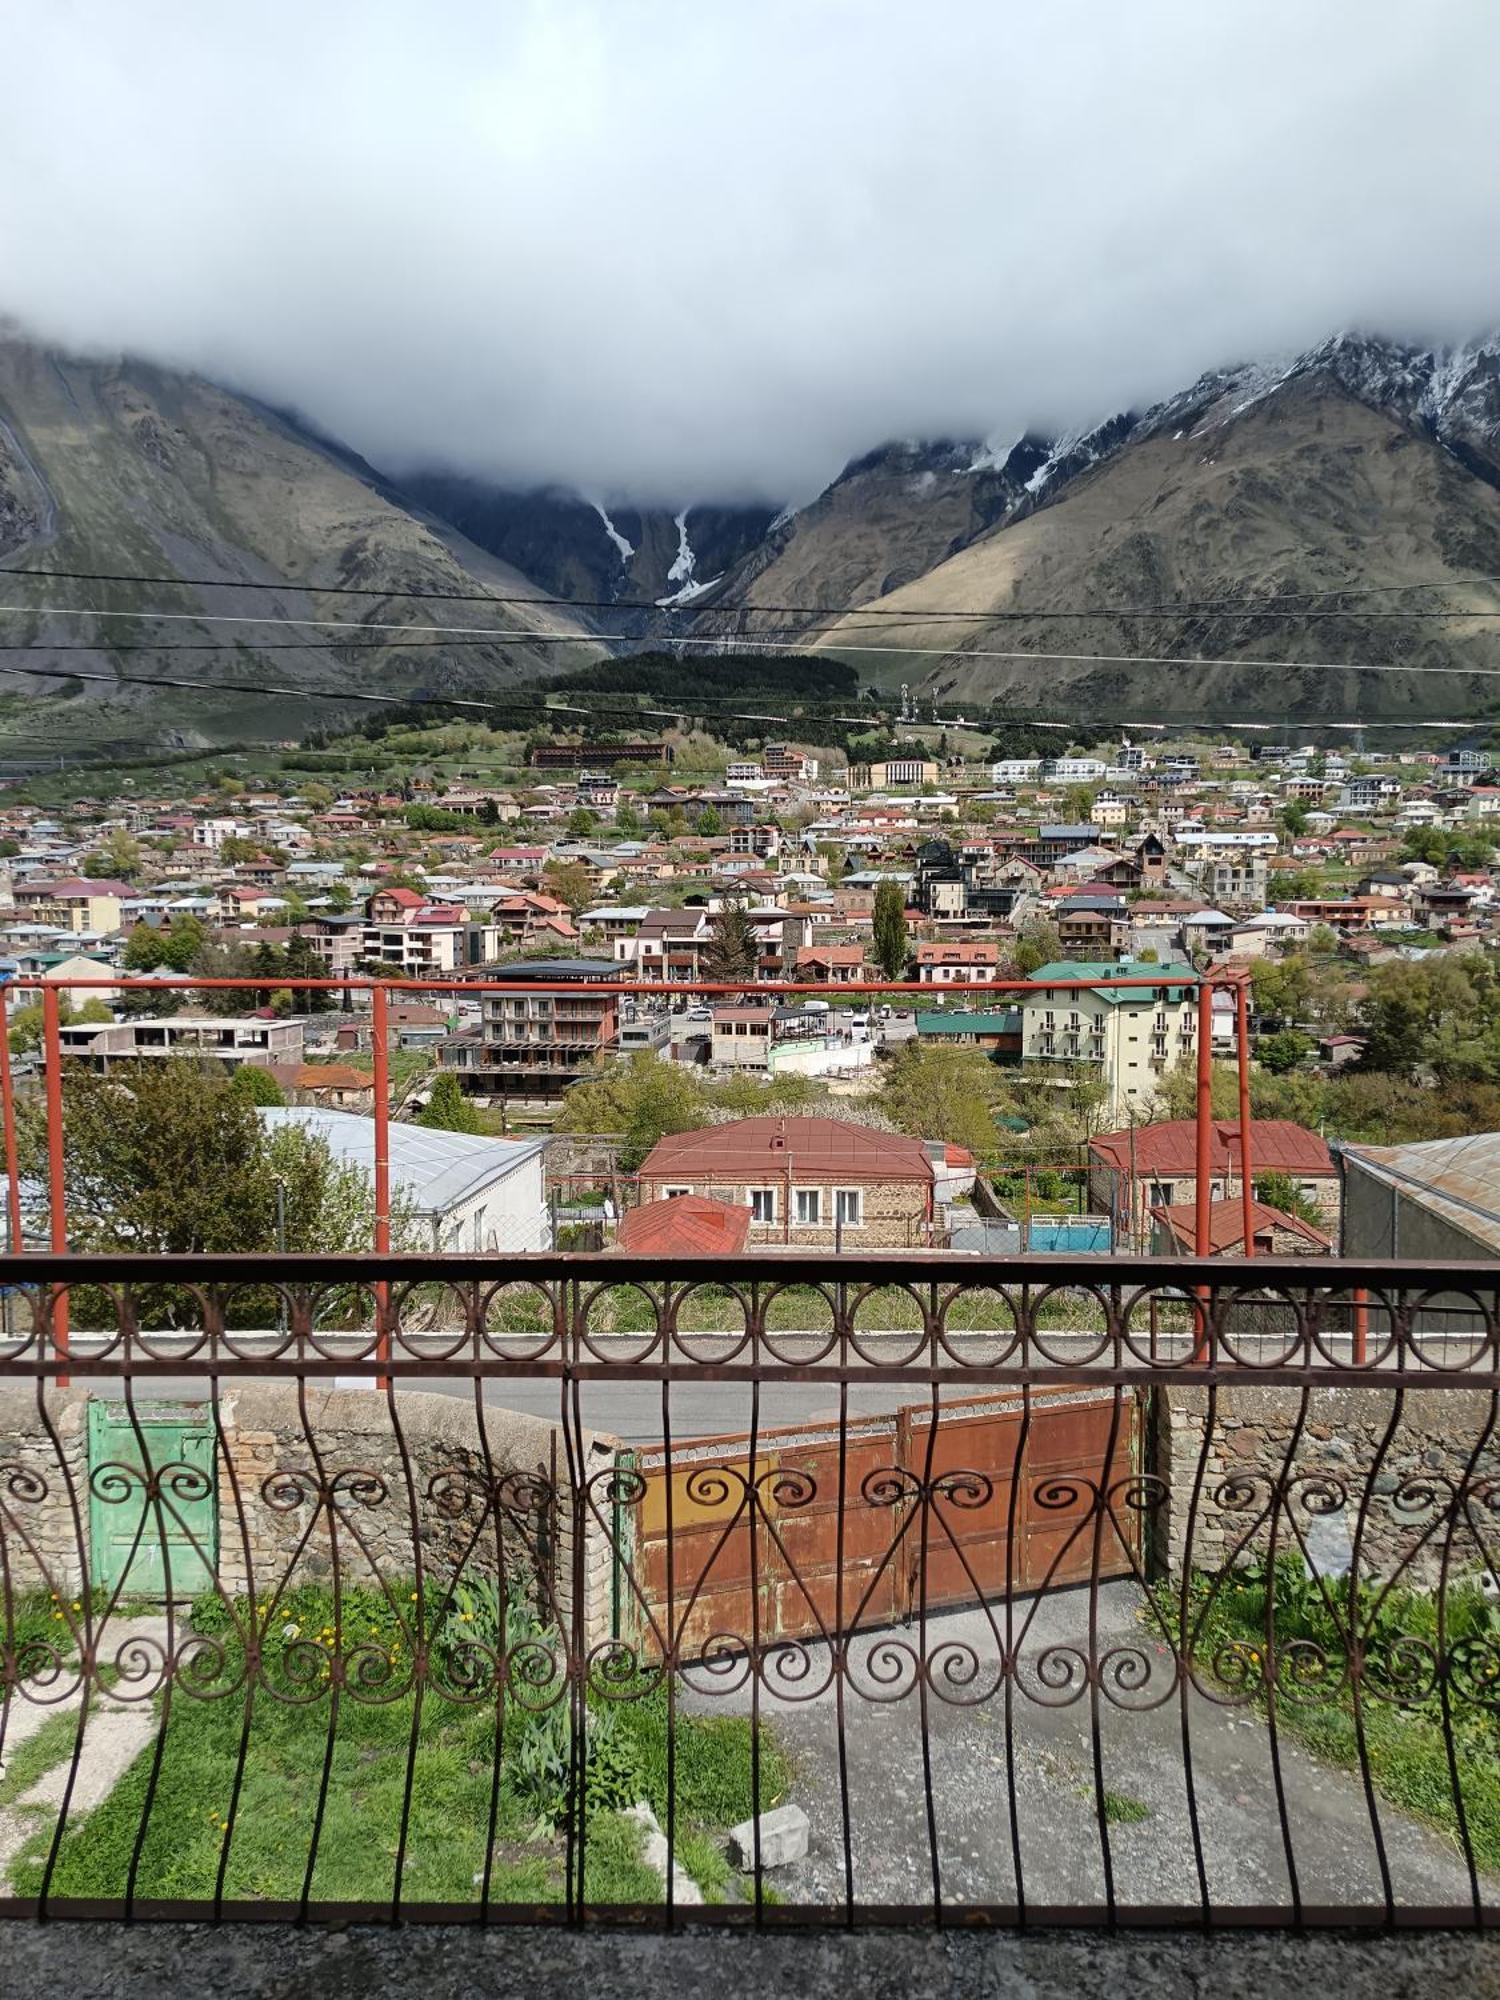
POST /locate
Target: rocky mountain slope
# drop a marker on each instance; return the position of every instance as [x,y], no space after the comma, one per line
[127,468]
[1360,464]
[581,548]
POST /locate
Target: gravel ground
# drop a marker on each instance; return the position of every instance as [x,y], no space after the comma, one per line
[1061,1852]
[279,1962]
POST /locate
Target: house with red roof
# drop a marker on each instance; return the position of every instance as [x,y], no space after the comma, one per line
[1136,1171]
[1274,1233]
[809,1183]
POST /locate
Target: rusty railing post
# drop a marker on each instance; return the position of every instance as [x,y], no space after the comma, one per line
[1202,1187]
[13,1239]
[1247,1178]
[57,1198]
[381,1079]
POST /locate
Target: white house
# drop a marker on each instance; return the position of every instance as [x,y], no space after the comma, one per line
[466,1192]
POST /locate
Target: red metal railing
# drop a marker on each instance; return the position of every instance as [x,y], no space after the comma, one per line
[381,990]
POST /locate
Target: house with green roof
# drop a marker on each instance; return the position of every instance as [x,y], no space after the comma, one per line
[1130,1035]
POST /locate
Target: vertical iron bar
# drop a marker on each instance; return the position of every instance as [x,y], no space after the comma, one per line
[13,1236]
[1247,1171]
[381,1090]
[669,1664]
[840,1659]
[1186,1639]
[1202,1187]
[57,1195]
[325,1500]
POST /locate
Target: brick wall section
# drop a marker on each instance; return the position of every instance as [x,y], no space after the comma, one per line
[1340,1445]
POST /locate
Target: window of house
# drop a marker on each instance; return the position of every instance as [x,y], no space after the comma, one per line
[763,1204]
[848,1207]
[810,1205]
[671,1194]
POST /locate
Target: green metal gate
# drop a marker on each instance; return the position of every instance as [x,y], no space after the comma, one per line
[162,1545]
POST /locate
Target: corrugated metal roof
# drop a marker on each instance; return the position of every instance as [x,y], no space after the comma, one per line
[1458,1179]
[435,1171]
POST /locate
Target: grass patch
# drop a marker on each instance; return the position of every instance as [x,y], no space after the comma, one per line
[389,1759]
[1120,1809]
[1401,1706]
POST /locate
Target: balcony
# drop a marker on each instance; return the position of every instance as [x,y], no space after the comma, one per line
[1050,1591]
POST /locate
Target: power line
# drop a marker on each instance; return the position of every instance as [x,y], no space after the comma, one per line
[822,651]
[532,707]
[1254,606]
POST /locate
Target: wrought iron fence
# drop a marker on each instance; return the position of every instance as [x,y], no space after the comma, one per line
[1025,1591]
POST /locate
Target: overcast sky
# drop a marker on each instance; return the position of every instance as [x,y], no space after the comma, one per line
[687,248]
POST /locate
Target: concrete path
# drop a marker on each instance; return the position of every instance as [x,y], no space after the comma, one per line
[1061,1852]
[114,1735]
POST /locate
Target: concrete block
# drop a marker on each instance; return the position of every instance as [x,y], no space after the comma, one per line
[783,1838]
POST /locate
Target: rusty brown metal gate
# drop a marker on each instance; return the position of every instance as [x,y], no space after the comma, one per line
[821,1528]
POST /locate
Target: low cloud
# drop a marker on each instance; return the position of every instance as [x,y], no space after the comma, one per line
[676,251]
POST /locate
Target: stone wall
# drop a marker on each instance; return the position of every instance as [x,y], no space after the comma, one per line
[40,1481]
[302,1482]
[1341,1464]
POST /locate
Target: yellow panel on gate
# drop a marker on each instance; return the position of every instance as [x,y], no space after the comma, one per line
[712,1490]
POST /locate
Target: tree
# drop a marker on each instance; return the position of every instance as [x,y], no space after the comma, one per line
[221,961]
[145,949]
[732,954]
[641,1100]
[1294,885]
[1284,1050]
[943,1093]
[447,1109]
[708,823]
[256,1085]
[119,857]
[627,820]
[1281,986]
[177,1159]
[1177,1092]
[571,883]
[1445,847]
[301,961]
[1038,942]
[582,821]
[1294,818]
[1280,1191]
[889,940]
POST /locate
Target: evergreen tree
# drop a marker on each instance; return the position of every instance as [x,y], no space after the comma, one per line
[733,955]
[889,924]
[447,1109]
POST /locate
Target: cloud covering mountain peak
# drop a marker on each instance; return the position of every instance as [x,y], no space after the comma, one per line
[657,250]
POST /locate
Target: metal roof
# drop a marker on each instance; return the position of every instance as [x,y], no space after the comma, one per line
[819,1148]
[435,1171]
[1457,1179]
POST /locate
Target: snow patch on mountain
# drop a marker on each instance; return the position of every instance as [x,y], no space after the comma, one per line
[685,561]
[691,589]
[626,549]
